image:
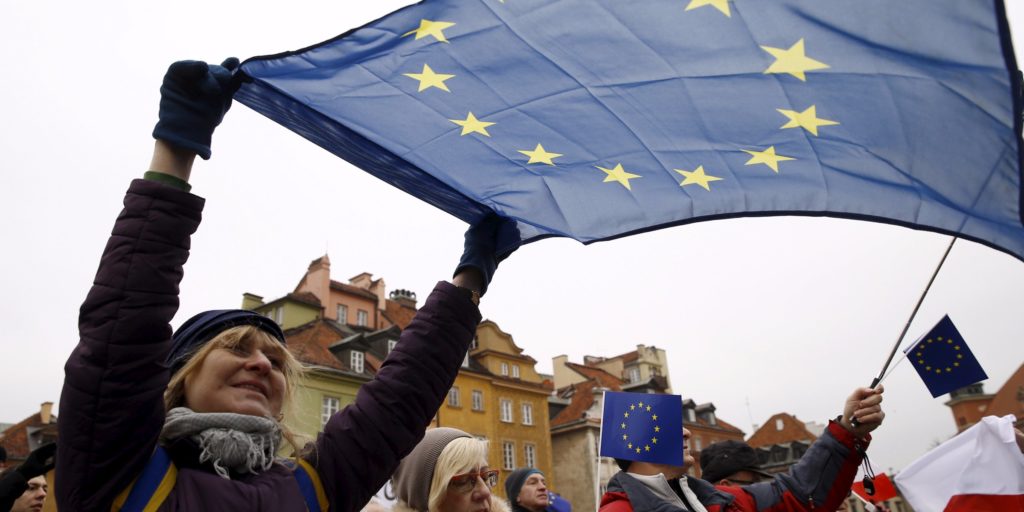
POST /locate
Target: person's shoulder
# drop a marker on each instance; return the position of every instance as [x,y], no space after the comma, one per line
[614,501]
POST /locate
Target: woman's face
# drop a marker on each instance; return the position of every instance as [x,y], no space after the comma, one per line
[246,379]
[469,491]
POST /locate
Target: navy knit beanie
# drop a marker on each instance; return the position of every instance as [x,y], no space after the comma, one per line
[514,483]
[206,325]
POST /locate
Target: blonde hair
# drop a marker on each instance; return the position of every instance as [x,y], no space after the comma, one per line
[248,336]
[460,456]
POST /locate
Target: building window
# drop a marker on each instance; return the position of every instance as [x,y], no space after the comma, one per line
[342,314]
[691,416]
[474,344]
[508,455]
[328,407]
[478,400]
[362,318]
[391,345]
[530,453]
[700,444]
[779,425]
[633,374]
[515,371]
[506,410]
[356,361]
[504,369]
[454,399]
[465,360]
[711,419]
[527,414]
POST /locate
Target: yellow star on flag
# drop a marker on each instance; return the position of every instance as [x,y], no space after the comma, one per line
[472,125]
[721,5]
[808,119]
[697,177]
[647,447]
[657,428]
[767,157]
[618,174]
[431,28]
[793,61]
[540,156]
[654,440]
[655,419]
[428,78]
[638,449]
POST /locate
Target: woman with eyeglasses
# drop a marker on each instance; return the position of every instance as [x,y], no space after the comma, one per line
[447,472]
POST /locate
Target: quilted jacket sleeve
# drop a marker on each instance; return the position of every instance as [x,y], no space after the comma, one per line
[111,407]
[362,445]
[819,481]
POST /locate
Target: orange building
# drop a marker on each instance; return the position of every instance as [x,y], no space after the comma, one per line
[969,404]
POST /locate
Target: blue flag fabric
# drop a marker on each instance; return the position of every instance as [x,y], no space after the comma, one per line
[943,359]
[643,427]
[596,119]
[556,503]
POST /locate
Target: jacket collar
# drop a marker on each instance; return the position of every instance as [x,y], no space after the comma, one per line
[643,500]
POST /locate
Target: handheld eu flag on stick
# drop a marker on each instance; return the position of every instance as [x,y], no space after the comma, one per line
[643,427]
[597,119]
[943,359]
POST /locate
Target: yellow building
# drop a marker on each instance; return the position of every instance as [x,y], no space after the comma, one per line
[499,396]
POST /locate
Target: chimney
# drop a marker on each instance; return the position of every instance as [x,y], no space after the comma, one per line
[45,412]
[404,298]
[251,301]
[318,281]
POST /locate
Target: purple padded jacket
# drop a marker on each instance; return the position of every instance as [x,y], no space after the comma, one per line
[112,402]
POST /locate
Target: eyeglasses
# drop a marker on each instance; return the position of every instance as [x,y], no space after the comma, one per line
[467,481]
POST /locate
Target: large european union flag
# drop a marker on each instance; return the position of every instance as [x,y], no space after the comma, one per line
[644,427]
[595,119]
[943,359]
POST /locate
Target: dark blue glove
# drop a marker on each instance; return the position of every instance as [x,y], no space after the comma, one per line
[489,241]
[38,462]
[193,100]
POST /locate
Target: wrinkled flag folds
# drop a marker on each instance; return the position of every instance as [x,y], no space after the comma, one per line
[596,119]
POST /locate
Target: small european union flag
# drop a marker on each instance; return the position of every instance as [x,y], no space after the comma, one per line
[943,359]
[643,427]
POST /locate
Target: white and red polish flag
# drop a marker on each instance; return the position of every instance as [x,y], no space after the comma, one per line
[980,470]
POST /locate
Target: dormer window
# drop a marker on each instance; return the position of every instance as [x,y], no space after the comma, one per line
[515,371]
[633,374]
[356,361]
[504,369]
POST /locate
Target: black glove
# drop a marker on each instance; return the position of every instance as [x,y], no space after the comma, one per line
[38,462]
[193,100]
[484,240]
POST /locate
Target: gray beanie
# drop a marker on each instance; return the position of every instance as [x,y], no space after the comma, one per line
[411,481]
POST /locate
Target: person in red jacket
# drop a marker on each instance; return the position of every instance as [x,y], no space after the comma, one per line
[820,481]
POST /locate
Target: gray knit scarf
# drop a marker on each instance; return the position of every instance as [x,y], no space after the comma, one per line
[231,442]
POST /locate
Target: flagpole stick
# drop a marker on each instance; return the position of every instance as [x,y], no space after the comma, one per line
[913,314]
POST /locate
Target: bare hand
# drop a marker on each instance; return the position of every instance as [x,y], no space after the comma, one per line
[865,404]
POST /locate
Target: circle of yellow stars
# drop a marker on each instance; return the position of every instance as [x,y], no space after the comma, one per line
[921,352]
[636,410]
[792,61]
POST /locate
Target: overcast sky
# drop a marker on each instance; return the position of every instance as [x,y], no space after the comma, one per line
[758,316]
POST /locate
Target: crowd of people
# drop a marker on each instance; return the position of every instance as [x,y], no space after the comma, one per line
[192,419]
